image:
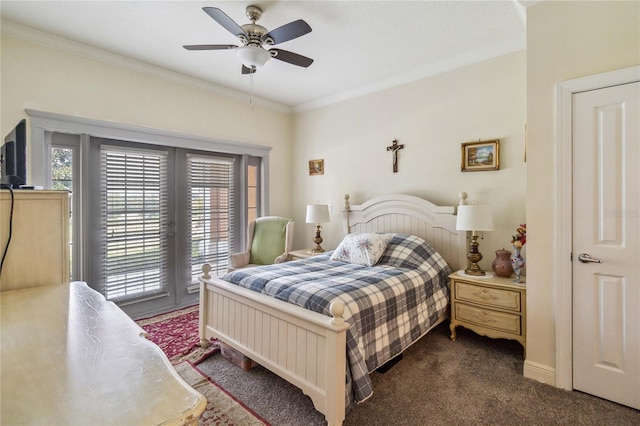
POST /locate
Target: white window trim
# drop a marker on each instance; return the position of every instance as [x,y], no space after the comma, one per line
[40,122]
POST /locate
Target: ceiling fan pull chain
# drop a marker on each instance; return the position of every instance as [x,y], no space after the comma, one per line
[251,89]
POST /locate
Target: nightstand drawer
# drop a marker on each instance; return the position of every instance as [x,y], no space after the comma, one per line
[491,319]
[491,306]
[493,297]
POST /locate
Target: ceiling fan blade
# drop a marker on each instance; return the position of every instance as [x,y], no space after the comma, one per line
[209,46]
[292,58]
[221,18]
[287,32]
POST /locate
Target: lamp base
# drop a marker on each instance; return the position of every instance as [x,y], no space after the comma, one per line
[474,257]
[318,240]
[474,269]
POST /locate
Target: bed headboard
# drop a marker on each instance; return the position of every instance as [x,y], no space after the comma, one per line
[407,214]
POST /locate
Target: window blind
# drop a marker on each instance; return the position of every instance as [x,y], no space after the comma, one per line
[134,217]
[211,203]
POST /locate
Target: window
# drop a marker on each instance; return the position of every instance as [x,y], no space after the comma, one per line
[253,199]
[133,238]
[211,203]
[62,178]
[62,168]
[134,221]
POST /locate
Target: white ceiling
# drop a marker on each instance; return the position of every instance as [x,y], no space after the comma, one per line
[358,46]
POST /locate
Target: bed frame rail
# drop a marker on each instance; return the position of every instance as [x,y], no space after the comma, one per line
[303,347]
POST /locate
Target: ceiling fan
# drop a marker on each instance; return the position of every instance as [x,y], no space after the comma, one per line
[253,36]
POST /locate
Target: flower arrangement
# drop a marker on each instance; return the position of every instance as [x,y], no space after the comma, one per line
[520,239]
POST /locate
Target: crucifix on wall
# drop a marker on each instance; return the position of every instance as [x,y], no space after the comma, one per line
[394,148]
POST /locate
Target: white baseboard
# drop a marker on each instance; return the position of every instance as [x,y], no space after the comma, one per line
[539,372]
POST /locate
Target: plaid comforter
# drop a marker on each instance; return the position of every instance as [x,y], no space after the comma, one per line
[388,306]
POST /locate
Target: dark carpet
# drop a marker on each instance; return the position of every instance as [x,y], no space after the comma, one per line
[472,381]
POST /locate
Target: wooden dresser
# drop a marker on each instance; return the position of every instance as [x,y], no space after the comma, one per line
[494,307]
[69,357]
[39,250]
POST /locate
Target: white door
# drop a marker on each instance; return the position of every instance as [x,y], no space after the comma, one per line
[606,235]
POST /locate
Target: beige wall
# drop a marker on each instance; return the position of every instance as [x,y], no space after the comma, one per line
[47,79]
[431,117]
[565,40]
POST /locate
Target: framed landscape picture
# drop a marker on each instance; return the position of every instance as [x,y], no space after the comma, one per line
[480,156]
[316,167]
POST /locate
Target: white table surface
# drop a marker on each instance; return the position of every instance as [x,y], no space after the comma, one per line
[69,357]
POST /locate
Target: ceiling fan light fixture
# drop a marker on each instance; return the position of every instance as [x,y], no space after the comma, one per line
[253,56]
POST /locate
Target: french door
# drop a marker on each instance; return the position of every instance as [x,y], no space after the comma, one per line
[156,215]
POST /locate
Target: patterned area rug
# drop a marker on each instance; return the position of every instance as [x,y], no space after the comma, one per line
[176,333]
[222,407]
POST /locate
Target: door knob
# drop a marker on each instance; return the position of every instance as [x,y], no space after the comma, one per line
[585,258]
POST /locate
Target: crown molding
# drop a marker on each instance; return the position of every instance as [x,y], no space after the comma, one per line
[476,56]
[31,35]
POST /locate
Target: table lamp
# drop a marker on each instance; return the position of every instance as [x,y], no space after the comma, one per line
[474,218]
[317,213]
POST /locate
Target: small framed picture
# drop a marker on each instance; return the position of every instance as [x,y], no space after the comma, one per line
[480,156]
[316,167]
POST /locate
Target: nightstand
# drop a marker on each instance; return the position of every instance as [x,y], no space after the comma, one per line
[494,307]
[301,254]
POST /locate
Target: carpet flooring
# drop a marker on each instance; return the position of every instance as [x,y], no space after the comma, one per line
[472,381]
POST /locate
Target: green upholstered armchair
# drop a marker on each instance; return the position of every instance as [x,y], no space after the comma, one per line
[269,240]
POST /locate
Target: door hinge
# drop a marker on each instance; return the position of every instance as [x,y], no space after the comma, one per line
[571,257]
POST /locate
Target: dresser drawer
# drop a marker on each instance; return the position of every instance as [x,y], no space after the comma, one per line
[487,318]
[494,297]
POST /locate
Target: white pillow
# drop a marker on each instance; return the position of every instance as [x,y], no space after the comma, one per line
[362,249]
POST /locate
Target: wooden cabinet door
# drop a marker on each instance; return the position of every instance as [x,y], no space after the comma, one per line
[38,253]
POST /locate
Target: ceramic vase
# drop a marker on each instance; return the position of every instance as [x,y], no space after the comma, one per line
[501,265]
[517,263]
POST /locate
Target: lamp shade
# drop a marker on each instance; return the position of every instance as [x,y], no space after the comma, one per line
[253,56]
[317,213]
[474,217]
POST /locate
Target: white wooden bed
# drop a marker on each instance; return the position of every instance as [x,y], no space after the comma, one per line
[307,348]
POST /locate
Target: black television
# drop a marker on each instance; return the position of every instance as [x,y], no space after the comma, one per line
[13,157]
